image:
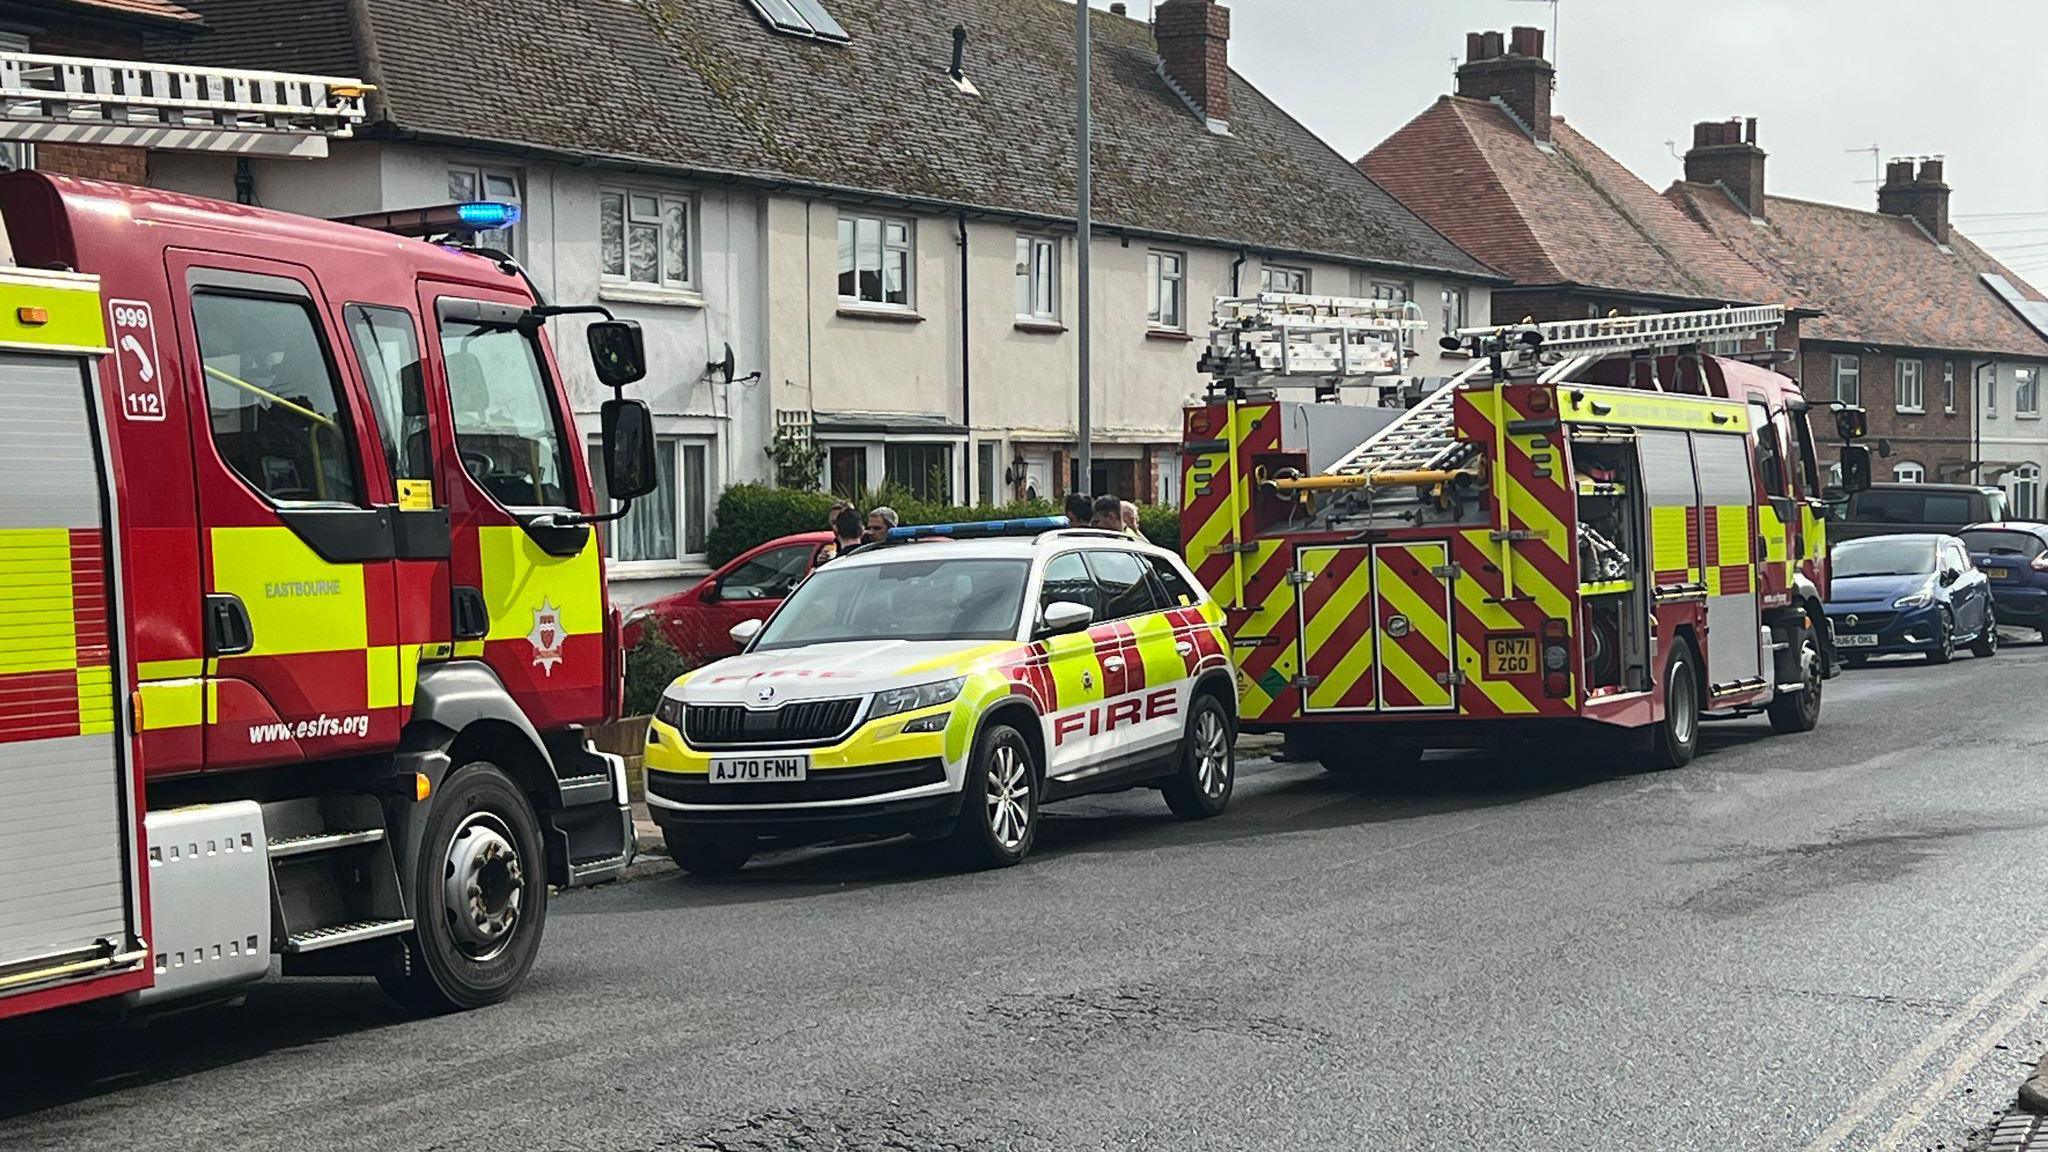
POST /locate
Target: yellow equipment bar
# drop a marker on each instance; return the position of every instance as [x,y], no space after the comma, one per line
[1368,480]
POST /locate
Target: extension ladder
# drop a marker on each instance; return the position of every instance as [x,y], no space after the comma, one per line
[134,103]
[1280,334]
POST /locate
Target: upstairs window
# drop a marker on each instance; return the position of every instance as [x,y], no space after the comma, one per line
[645,237]
[805,18]
[1390,292]
[1038,278]
[2026,391]
[874,260]
[1454,310]
[1948,387]
[1911,389]
[1848,374]
[1279,278]
[1165,289]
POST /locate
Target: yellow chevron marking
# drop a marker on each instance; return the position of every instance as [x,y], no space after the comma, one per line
[1343,669]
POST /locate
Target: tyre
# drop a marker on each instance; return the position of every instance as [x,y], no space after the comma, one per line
[710,857]
[1944,640]
[1986,643]
[1855,661]
[1674,742]
[1340,754]
[998,802]
[479,895]
[1201,783]
[1800,711]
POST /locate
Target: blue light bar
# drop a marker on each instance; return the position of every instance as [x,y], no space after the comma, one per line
[487,216]
[1022,526]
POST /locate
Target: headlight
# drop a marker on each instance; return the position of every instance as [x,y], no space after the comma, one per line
[1918,599]
[670,711]
[639,614]
[918,696]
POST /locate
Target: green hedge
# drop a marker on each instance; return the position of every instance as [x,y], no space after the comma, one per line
[750,514]
[651,666]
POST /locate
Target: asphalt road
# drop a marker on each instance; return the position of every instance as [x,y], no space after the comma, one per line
[1806,943]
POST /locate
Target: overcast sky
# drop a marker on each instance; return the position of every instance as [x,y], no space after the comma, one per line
[1913,77]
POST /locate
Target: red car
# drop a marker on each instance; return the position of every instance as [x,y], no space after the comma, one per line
[750,586]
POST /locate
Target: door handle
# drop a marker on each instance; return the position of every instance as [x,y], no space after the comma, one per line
[470,616]
[1113,664]
[1183,647]
[228,631]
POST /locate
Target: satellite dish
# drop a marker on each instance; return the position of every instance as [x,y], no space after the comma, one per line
[723,368]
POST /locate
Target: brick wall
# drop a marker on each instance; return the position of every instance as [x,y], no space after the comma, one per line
[93,161]
[1937,440]
[1194,41]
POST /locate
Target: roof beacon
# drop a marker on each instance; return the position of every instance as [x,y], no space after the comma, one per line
[1022,526]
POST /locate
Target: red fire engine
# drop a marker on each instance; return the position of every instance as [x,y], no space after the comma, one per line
[305,615]
[1598,525]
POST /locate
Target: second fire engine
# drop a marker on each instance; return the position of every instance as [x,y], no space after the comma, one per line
[1599,525]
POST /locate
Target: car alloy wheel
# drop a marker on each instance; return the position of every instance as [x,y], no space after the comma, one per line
[1212,754]
[1009,797]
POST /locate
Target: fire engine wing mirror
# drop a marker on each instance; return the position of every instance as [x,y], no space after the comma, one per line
[743,633]
[1063,616]
[1851,423]
[1855,468]
[629,463]
[617,352]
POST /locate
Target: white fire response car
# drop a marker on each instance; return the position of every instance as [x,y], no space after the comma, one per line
[945,683]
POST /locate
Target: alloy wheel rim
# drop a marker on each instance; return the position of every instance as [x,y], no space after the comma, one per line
[483,886]
[1212,755]
[1009,797]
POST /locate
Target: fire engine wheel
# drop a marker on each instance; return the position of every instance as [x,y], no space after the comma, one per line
[1200,785]
[1800,711]
[1673,742]
[998,802]
[1347,761]
[479,898]
[1944,649]
[1986,643]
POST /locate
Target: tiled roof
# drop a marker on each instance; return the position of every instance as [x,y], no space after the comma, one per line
[1876,279]
[1570,214]
[301,36]
[703,87]
[155,11]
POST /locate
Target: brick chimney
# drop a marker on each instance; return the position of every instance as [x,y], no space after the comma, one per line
[1194,52]
[1920,195]
[1513,70]
[1726,154]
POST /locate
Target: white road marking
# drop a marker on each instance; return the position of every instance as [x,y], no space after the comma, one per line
[1964,1064]
[1896,1076]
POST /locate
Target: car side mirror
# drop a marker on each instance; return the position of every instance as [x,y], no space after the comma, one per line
[743,633]
[1949,576]
[1851,422]
[1063,616]
[709,593]
[617,351]
[630,469]
[1855,468]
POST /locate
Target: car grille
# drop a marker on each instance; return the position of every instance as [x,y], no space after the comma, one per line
[798,722]
[1865,621]
[830,784]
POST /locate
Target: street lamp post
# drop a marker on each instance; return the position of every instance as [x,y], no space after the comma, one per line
[1083,227]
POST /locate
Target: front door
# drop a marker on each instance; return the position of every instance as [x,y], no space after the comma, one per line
[299,563]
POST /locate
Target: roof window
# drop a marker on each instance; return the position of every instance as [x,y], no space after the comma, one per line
[805,18]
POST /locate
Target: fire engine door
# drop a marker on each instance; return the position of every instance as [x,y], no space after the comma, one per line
[1375,628]
[300,626]
[529,594]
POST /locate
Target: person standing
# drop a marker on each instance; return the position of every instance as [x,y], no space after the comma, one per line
[880,520]
[1080,510]
[1107,513]
[845,533]
[1128,515]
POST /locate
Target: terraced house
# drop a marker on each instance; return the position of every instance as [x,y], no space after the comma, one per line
[869,204]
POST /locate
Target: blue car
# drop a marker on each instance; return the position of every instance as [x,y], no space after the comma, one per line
[1909,593]
[2013,555]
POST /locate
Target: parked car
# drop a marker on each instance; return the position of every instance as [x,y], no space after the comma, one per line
[2013,555]
[1890,509]
[698,620]
[1915,592]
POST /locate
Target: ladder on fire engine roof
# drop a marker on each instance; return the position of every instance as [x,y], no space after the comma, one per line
[1331,338]
[149,104]
[1425,438]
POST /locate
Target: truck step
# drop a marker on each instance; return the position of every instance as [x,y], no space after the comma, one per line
[336,935]
[323,841]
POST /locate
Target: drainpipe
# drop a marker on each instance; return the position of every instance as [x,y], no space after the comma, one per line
[966,345]
[1237,269]
[1977,417]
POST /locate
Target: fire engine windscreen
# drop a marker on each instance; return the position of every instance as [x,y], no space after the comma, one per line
[506,427]
[910,599]
[272,399]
